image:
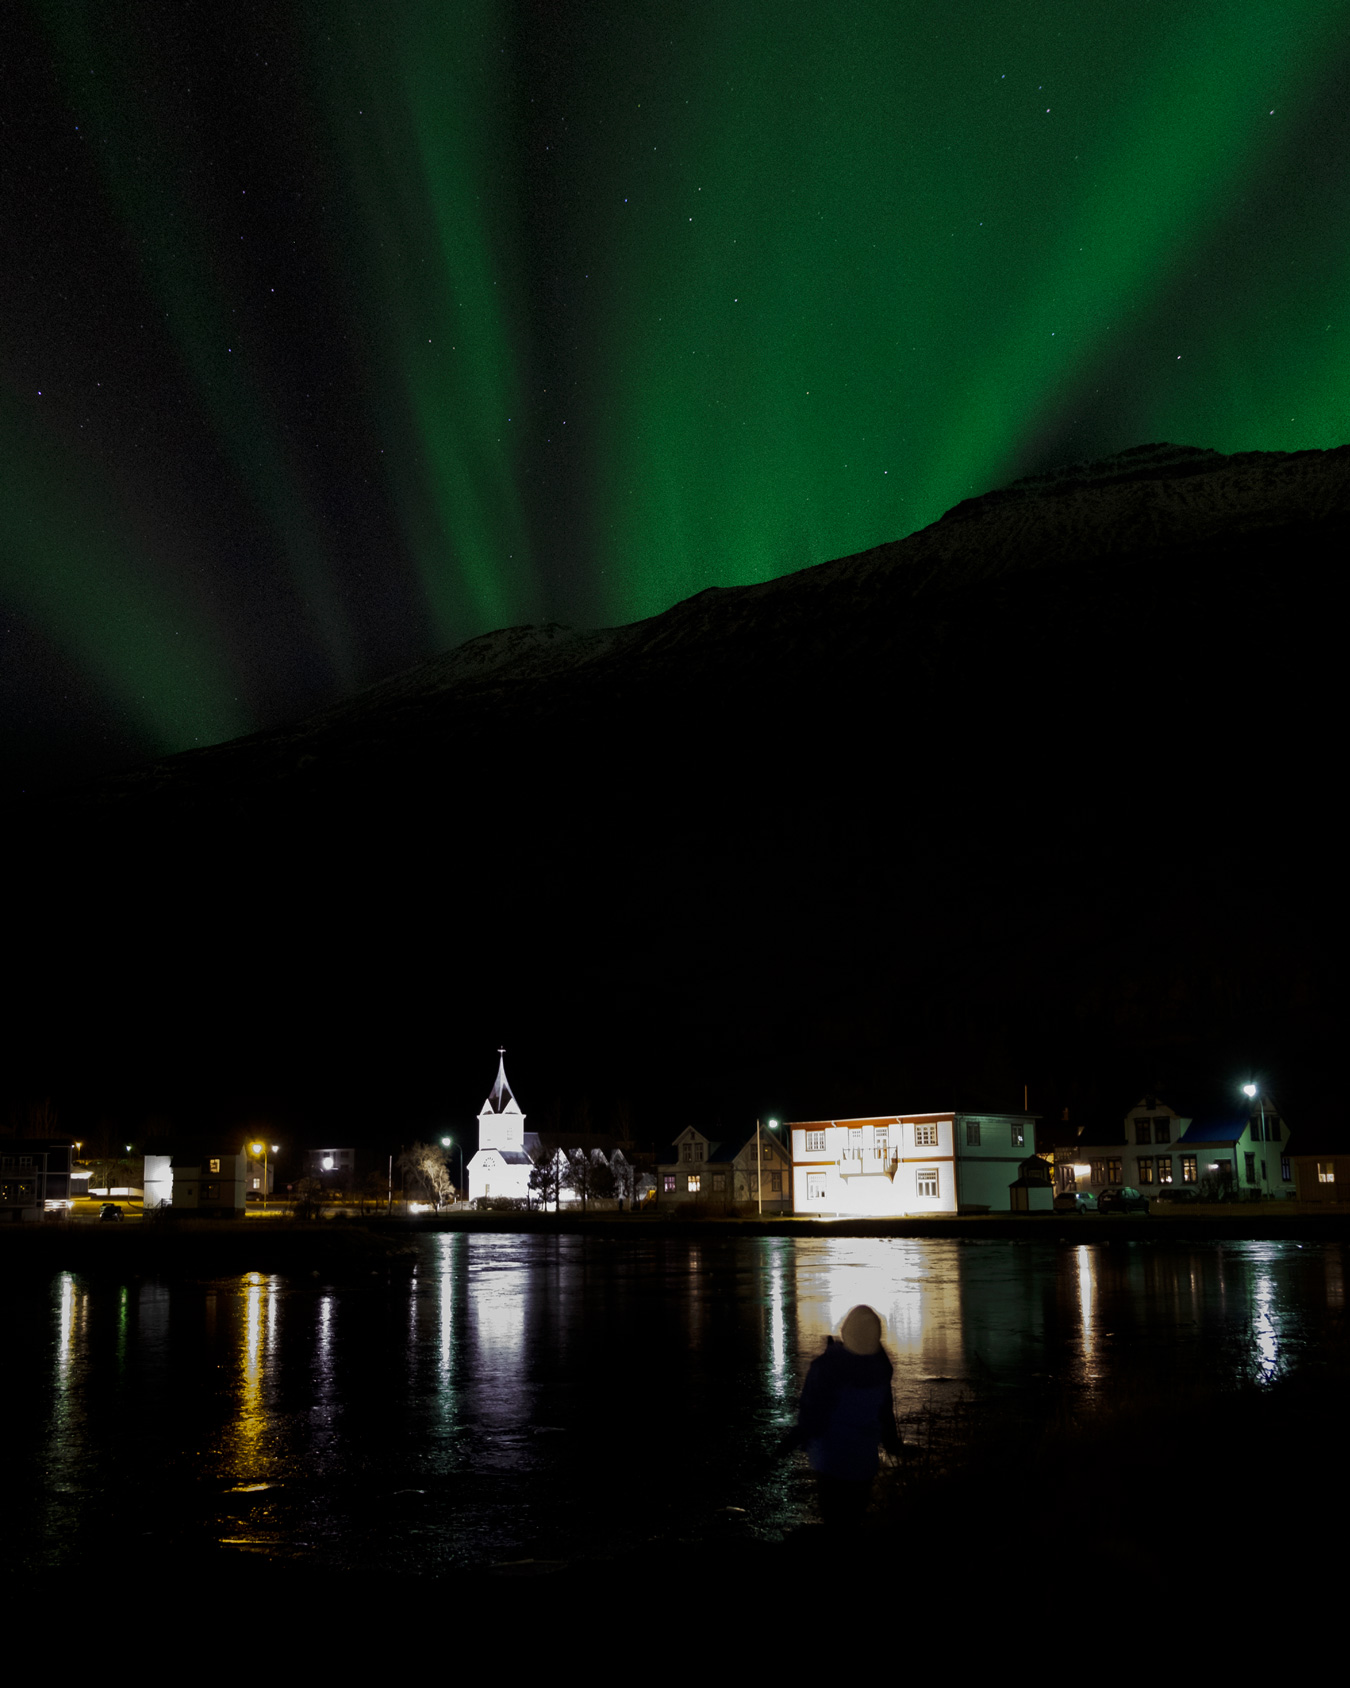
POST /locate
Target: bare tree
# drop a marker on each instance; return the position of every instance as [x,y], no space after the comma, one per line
[425,1165]
[588,1175]
[630,1176]
[547,1176]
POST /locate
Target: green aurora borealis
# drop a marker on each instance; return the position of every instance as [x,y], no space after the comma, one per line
[334,334]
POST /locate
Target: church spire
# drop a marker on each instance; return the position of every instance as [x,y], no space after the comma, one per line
[501,1097]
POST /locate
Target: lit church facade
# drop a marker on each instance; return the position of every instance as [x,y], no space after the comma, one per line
[506,1151]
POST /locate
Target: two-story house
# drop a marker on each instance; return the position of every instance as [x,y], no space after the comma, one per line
[724,1171]
[1242,1153]
[907,1164]
[37,1176]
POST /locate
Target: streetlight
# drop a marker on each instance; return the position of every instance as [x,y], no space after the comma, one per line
[449,1142]
[759,1158]
[261,1149]
[1251,1090]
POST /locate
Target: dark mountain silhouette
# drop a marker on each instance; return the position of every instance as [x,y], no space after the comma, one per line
[1044,794]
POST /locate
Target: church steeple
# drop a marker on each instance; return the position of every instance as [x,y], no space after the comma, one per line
[501,1125]
[501,1099]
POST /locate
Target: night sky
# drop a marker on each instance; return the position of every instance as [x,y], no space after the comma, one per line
[334,334]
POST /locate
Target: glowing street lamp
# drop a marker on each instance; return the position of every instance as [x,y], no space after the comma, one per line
[1251,1090]
[759,1157]
[447,1143]
[261,1149]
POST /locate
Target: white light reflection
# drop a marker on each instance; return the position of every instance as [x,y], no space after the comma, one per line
[776,1264]
[446,1288]
[913,1285]
[1087,1296]
[1265,1327]
[498,1291]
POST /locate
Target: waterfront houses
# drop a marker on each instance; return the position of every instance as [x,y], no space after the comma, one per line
[722,1170]
[1239,1154]
[907,1164]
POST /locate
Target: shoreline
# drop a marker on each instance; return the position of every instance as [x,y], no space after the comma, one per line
[346,1245]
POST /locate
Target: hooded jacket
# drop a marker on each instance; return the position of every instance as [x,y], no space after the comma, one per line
[846,1410]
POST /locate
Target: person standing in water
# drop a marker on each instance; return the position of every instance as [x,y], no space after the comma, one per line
[846,1410]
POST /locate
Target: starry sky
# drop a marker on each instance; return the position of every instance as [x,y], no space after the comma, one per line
[332,334]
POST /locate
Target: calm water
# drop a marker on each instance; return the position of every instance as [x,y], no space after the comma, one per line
[557,1396]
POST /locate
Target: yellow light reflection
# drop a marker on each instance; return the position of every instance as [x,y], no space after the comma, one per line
[259,1334]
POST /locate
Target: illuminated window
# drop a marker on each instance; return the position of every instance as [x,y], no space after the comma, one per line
[815,1186]
[1326,1172]
[695,1183]
[215,1166]
[926,1137]
[1145,1165]
[926,1182]
[815,1142]
[972,1133]
[1164,1169]
[1019,1135]
[668,1182]
[1189,1169]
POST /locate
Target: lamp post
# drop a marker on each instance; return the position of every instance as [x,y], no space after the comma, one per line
[759,1164]
[1251,1090]
[261,1149]
[449,1143]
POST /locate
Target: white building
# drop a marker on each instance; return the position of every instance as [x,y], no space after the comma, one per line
[506,1151]
[897,1165]
[1243,1153]
[214,1185]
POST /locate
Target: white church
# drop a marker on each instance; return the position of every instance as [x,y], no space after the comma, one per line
[506,1151]
[507,1154]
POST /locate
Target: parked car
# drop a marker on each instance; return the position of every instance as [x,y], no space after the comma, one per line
[1120,1198]
[1075,1201]
[1178,1193]
[110,1210]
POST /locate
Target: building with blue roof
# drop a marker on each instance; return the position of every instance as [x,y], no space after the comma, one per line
[1238,1153]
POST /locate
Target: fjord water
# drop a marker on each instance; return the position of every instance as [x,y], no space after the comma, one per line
[527,1396]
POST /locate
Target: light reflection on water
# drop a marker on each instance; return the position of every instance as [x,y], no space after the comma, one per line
[584,1393]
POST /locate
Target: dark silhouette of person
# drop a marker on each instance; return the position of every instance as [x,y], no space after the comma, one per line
[846,1410]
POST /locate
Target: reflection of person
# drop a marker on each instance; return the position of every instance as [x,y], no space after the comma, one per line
[846,1410]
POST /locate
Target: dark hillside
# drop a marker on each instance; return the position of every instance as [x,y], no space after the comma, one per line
[1044,794]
